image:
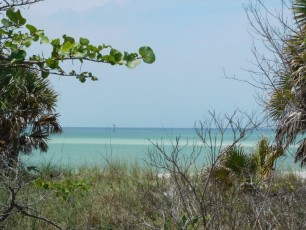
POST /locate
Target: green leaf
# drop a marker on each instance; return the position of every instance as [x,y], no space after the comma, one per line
[81,78]
[39,33]
[44,74]
[6,23]
[116,54]
[66,47]
[15,16]
[28,42]
[84,41]
[129,57]
[133,64]
[10,13]
[8,44]
[56,42]
[93,78]
[44,40]
[35,38]
[91,54]
[147,54]
[68,39]
[3,32]
[111,60]
[45,185]
[19,54]
[31,28]
[72,72]
[53,64]
[36,58]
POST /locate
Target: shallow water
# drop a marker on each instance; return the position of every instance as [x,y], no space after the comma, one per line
[95,146]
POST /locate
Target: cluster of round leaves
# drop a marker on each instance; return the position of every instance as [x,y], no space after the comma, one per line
[63,189]
[16,36]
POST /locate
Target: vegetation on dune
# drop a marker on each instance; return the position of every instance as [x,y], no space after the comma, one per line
[118,197]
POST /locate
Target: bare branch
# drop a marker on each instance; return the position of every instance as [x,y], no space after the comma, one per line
[6,4]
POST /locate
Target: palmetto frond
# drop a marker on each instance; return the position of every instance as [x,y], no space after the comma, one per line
[236,163]
[27,104]
[299,9]
[220,174]
[280,96]
[290,126]
[265,156]
[42,128]
[287,104]
[301,153]
[26,93]
[235,159]
[48,123]
[34,141]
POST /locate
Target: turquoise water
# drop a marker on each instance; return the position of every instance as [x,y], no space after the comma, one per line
[94,146]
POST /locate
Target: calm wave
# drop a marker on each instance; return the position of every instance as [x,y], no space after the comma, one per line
[94,146]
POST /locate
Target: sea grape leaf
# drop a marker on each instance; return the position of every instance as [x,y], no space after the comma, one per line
[18,54]
[84,41]
[15,16]
[6,22]
[45,74]
[133,64]
[31,28]
[147,54]
[53,64]
[44,40]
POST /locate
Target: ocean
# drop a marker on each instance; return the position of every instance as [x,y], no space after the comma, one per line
[95,146]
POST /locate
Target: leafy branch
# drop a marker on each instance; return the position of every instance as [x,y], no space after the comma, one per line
[16,37]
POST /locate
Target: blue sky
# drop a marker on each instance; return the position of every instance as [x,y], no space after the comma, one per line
[194,42]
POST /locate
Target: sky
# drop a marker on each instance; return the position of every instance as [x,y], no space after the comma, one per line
[194,42]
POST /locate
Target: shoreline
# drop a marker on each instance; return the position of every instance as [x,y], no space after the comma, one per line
[301,174]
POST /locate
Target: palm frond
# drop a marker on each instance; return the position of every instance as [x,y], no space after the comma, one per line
[280,97]
[220,173]
[27,104]
[299,9]
[301,153]
[290,126]
[49,123]
[235,159]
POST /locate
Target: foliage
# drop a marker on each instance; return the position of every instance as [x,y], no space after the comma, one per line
[236,160]
[16,37]
[235,164]
[129,198]
[281,73]
[292,119]
[14,200]
[64,188]
[26,112]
